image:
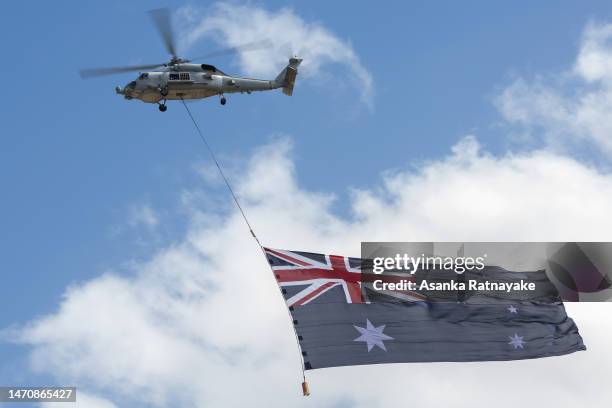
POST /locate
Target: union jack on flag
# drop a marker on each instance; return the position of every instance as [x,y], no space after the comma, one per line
[314,275]
[319,273]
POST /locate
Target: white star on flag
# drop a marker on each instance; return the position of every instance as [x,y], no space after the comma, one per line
[516,341]
[372,336]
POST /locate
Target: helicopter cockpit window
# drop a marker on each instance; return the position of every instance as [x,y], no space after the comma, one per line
[144,75]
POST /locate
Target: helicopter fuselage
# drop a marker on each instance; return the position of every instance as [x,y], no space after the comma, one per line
[190,81]
[181,79]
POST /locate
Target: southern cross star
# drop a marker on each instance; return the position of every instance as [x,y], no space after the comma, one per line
[372,336]
[516,341]
[512,309]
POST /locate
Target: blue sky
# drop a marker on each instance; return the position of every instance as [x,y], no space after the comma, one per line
[77,161]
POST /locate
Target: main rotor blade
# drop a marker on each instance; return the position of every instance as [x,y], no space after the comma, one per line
[96,72]
[252,46]
[161,18]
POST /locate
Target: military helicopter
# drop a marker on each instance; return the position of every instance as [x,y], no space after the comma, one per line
[181,79]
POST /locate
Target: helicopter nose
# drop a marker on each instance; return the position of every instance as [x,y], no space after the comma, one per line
[119,91]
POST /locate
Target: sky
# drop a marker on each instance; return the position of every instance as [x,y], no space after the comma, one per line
[126,269]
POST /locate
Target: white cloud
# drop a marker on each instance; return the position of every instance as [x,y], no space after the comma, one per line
[83,400]
[202,323]
[573,107]
[143,214]
[233,24]
[594,61]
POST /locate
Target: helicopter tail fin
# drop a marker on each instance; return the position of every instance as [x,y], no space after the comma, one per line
[286,79]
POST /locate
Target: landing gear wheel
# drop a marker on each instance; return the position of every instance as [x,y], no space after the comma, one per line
[163,108]
[223,100]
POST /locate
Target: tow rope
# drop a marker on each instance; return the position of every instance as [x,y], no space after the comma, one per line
[305,388]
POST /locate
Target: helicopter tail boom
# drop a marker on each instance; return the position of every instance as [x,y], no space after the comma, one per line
[286,79]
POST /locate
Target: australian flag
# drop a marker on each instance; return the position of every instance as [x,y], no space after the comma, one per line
[338,324]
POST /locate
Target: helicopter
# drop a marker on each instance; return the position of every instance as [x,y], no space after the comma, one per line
[182,79]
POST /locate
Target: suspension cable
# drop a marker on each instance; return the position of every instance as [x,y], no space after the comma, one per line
[251,230]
